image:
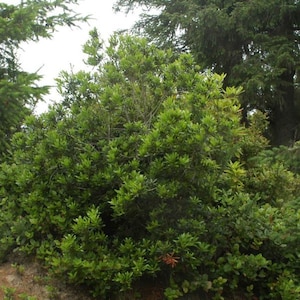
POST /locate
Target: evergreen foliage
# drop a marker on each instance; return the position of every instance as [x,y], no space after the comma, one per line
[145,174]
[255,43]
[19,90]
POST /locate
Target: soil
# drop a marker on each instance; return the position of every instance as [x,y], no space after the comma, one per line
[25,279]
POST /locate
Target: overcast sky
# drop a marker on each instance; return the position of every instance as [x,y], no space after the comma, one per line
[65,48]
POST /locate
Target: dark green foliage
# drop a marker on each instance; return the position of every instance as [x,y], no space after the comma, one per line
[145,173]
[19,92]
[255,43]
[288,156]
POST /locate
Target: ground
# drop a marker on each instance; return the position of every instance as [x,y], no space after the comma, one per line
[22,279]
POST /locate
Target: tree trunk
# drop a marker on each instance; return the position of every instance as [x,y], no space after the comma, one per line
[284,121]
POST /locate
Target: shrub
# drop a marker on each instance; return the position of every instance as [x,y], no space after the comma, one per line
[143,172]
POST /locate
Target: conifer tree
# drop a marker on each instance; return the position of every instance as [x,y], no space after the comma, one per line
[28,21]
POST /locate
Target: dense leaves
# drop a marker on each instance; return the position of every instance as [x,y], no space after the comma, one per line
[145,174]
[19,90]
[255,43]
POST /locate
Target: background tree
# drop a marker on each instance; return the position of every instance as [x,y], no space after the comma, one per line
[19,91]
[255,43]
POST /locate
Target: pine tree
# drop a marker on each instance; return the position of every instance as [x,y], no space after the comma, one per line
[19,92]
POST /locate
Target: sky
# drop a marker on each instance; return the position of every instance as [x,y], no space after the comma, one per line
[64,50]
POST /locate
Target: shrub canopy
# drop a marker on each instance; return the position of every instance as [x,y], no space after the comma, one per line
[145,173]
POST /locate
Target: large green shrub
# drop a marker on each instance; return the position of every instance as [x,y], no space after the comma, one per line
[145,172]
